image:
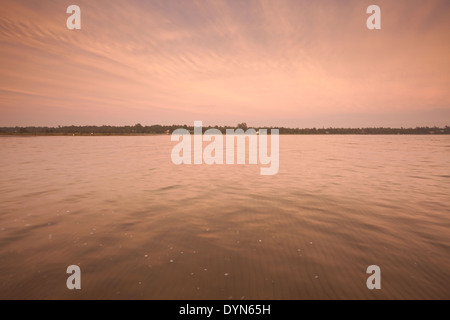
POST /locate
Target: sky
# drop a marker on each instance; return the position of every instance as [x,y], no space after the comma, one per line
[291,63]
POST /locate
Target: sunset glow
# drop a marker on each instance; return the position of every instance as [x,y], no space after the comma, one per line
[280,63]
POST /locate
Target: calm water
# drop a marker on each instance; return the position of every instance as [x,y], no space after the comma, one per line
[142,228]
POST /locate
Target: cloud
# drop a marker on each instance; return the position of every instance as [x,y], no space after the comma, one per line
[164,61]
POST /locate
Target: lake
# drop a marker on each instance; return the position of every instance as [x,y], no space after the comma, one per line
[141,227]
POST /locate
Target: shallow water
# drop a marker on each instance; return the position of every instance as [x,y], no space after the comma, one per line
[142,228]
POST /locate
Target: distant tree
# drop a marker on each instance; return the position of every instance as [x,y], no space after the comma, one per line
[242,126]
[139,128]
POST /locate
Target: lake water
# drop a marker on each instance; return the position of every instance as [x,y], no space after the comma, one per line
[142,228]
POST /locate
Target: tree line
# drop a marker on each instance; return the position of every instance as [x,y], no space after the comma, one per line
[139,129]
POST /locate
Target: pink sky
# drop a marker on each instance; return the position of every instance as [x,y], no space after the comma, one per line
[282,63]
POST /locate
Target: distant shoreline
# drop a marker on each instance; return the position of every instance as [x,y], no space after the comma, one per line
[155,130]
[2,135]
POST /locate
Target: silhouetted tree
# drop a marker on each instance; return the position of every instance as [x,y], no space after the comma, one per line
[242,126]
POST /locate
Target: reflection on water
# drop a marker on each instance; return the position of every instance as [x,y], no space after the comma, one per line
[142,228]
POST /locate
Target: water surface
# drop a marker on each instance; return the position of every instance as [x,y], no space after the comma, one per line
[142,228]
